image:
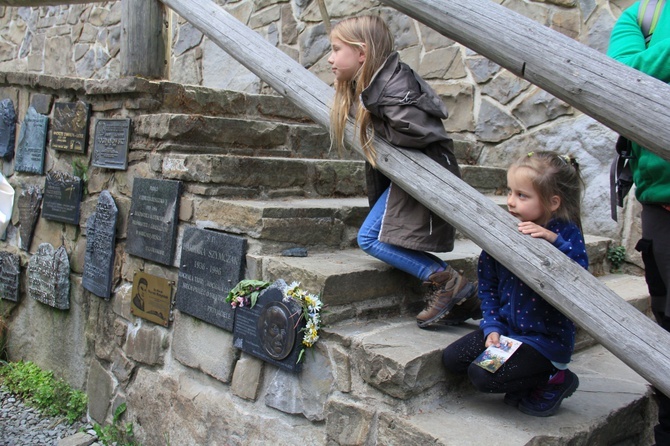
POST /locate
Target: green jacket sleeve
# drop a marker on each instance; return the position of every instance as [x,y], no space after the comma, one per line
[628,47]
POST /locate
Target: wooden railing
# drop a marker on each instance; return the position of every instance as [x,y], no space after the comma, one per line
[584,78]
[626,332]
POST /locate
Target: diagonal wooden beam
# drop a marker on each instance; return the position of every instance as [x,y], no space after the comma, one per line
[631,336]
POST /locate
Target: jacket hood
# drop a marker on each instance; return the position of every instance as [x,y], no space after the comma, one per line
[395,83]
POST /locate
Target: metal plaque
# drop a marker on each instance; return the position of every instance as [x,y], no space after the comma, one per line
[100,244]
[32,143]
[152,225]
[271,330]
[110,143]
[69,127]
[62,197]
[7,129]
[10,269]
[212,263]
[152,298]
[49,276]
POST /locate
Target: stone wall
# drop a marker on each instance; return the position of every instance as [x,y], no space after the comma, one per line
[500,115]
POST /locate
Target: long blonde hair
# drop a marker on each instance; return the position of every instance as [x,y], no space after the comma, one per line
[554,174]
[371,35]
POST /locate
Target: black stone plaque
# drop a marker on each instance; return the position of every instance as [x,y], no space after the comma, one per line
[7,129]
[29,204]
[62,197]
[152,226]
[152,298]
[10,268]
[49,276]
[212,263]
[100,243]
[32,143]
[69,129]
[110,143]
[271,329]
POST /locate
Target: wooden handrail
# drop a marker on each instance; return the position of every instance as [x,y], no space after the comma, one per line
[627,333]
[608,91]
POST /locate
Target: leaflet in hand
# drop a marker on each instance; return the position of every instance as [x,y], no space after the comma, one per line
[493,357]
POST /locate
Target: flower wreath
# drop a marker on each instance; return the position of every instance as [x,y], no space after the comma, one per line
[246,292]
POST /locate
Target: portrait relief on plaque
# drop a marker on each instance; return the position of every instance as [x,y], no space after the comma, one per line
[275,330]
[152,298]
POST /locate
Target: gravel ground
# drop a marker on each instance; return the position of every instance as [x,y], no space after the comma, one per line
[22,425]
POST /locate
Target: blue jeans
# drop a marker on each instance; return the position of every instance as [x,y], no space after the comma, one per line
[417,263]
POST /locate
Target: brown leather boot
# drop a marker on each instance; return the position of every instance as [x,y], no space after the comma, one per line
[447,289]
[469,308]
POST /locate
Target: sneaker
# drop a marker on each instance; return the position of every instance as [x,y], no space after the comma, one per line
[514,398]
[447,289]
[469,308]
[545,400]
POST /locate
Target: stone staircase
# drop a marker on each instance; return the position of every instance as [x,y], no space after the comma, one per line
[255,166]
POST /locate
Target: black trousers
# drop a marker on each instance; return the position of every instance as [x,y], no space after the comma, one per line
[524,370]
[655,250]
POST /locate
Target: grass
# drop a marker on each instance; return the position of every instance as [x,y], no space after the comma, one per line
[40,389]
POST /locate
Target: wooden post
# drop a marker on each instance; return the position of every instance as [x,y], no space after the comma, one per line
[610,92]
[143,39]
[627,333]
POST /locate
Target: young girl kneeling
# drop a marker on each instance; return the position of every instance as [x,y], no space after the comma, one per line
[544,192]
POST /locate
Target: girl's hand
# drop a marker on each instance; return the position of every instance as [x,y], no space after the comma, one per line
[537,231]
[493,339]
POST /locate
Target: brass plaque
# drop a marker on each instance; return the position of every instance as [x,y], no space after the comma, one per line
[152,298]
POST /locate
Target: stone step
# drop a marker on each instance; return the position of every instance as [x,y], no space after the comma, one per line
[402,360]
[355,285]
[271,226]
[262,178]
[611,406]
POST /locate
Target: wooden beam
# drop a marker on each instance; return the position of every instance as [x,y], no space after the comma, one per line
[631,336]
[143,39]
[37,3]
[625,100]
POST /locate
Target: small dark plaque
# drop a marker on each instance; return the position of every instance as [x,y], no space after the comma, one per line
[212,263]
[110,143]
[152,227]
[7,129]
[32,143]
[30,201]
[69,129]
[62,198]
[152,298]
[10,268]
[100,243]
[270,329]
[49,276]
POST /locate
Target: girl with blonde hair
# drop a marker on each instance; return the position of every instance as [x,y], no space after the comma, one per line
[386,98]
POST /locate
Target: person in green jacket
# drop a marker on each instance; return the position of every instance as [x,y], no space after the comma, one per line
[651,173]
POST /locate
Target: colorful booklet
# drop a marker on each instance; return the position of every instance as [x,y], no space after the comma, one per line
[493,357]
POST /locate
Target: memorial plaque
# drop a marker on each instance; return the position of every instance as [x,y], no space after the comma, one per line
[32,143]
[152,298]
[69,128]
[10,268]
[110,143]
[100,244]
[62,197]
[152,225]
[29,211]
[7,129]
[49,276]
[212,263]
[271,329]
